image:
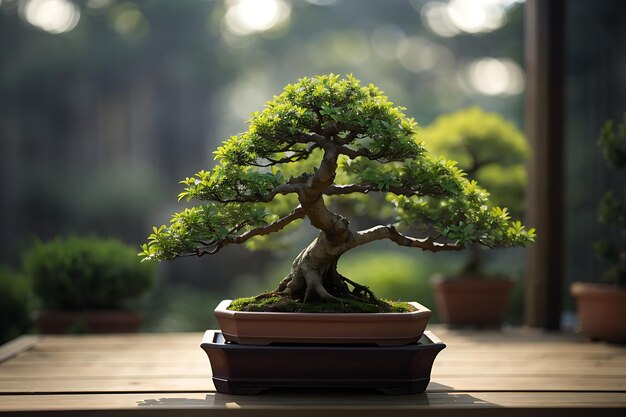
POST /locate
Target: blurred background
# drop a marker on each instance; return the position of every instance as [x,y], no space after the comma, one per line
[105,105]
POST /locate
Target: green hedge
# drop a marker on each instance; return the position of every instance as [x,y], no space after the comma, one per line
[78,273]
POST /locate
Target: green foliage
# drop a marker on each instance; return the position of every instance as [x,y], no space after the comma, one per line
[378,152]
[327,105]
[15,305]
[280,304]
[230,183]
[487,147]
[612,210]
[201,226]
[77,273]
[463,216]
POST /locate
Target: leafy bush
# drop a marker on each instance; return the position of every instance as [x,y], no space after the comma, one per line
[86,273]
[15,304]
[612,211]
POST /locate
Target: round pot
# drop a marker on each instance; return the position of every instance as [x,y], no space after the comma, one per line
[601,310]
[475,301]
[98,321]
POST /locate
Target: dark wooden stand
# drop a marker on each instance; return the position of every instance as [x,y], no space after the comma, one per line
[248,369]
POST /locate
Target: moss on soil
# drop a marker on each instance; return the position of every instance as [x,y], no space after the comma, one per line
[280,304]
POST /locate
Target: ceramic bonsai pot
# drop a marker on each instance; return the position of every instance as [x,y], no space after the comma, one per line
[261,328]
[246,369]
[477,301]
[601,310]
[96,321]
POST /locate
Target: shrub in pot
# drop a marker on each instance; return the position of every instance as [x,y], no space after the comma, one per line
[83,284]
[15,304]
[325,140]
[602,306]
[492,151]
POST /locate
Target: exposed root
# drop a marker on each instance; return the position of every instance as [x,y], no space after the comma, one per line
[362,291]
[314,276]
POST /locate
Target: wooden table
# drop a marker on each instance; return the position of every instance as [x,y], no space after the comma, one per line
[512,373]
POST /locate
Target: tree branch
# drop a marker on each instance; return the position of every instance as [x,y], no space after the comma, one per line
[297,213]
[366,188]
[389,232]
[289,188]
[316,138]
[211,248]
[379,156]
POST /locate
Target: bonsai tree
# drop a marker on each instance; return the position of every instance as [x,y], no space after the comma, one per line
[612,211]
[327,138]
[489,150]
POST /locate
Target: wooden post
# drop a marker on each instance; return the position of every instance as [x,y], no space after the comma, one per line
[544,42]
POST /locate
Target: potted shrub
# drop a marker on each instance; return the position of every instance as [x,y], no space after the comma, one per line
[492,151]
[602,306]
[83,284]
[322,141]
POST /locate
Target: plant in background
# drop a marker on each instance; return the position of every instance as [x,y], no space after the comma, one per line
[78,273]
[601,307]
[612,210]
[15,304]
[489,150]
[329,138]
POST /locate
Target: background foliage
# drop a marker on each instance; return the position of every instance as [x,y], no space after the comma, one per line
[99,123]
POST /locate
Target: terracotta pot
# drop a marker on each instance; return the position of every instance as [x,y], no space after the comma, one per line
[245,369]
[601,310]
[476,301]
[98,321]
[383,329]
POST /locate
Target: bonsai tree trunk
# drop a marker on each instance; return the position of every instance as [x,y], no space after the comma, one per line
[314,271]
[314,274]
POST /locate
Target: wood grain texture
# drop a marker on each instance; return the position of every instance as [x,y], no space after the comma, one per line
[516,372]
[328,403]
[17,346]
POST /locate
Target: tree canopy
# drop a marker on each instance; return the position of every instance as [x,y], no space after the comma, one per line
[331,137]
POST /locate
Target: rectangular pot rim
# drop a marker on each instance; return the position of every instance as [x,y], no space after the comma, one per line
[222,310]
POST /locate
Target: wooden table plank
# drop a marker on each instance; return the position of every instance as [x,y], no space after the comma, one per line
[17,346]
[519,370]
[344,403]
[184,384]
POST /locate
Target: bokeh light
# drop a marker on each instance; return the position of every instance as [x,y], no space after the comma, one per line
[465,16]
[493,77]
[127,19]
[246,17]
[52,16]
[476,16]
